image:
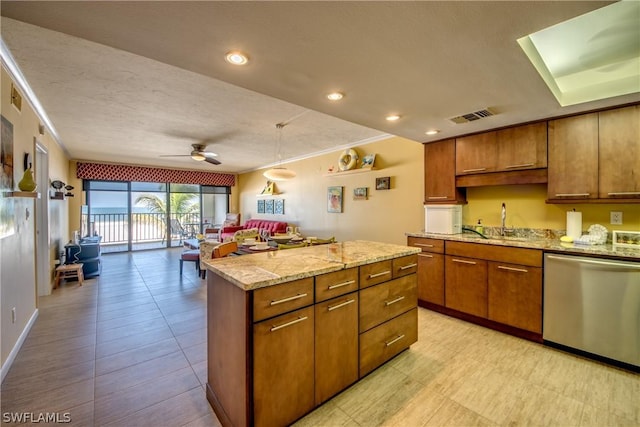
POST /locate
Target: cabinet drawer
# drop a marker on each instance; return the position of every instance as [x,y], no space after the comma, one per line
[279,299]
[404,266]
[427,245]
[338,283]
[377,272]
[382,343]
[508,254]
[387,300]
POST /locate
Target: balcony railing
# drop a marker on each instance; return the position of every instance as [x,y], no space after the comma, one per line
[145,227]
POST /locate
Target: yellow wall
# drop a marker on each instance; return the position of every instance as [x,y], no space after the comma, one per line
[386,216]
[526,208]
[17,251]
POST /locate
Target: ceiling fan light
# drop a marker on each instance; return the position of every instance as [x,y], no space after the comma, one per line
[279,174]
[198,157]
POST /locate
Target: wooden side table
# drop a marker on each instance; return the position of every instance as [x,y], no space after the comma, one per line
[69,271]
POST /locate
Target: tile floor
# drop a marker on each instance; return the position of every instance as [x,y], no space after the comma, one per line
[129,349]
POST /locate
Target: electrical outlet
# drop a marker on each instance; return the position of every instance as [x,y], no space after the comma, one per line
[13,315]
[616,218]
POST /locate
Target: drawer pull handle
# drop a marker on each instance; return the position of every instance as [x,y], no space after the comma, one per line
[384,273]
[293,322]
[393,341]
[437,197]
[474,170]
[521,270]
[426,245]
[524,165]
[342,304]
[426,255]
[573,194]
[408,266]
[393,301]
[625,193]
[463,261]
[280,301]
[339,285]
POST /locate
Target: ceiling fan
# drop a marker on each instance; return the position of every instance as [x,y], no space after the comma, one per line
[199,154]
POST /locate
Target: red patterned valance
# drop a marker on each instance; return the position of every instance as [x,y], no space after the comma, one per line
[106,172]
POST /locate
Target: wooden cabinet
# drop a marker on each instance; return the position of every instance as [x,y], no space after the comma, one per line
[338,283]
[336,345]
[440,173]
[387,300]
[515,295]
[374,273]
[283,368]
[619,153]
[522,147]
[275,300]
[430,269]
[477,153]
[466,285]
[573,158]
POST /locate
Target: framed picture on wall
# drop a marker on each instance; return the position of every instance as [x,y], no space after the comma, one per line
[360,193]
[260,206]
[383,183]
[268,206]
[278,207]
[334,199]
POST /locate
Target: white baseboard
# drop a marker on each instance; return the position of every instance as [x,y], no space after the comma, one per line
[18,346]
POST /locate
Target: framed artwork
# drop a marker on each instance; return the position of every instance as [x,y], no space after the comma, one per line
[360,193]
[260,206]
[268,206]
[368,161]
[334,199]
[278,207]
[7,221]
[383,183]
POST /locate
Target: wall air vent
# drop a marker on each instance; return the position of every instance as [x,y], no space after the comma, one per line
[470,117]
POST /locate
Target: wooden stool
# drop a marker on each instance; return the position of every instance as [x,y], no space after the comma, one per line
[69,271]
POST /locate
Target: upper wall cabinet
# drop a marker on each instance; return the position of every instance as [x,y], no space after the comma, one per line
[573,158]
[439,173]
[522,147]
[595,157]
[477,153]
[619,153]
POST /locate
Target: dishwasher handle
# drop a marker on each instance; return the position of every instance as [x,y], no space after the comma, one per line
[596,262]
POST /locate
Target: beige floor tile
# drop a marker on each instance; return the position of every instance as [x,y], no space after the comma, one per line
[452,414]
[128,330]
[58,400]
[34,362]
[201,371]
[197,353]
[558,410]
[595,417]
[328,414]
[417,410]
[131,342]
[116,381]
[189,339]
[209,420]
[124,359]
[117,406]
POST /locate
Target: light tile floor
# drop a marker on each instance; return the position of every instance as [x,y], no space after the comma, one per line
[129,349]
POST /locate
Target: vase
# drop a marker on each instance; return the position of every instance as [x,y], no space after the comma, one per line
[27,183]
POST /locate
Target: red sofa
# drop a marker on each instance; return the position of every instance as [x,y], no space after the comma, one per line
[261,224]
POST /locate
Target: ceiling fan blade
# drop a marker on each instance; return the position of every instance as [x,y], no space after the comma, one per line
[174,155]
[212,160]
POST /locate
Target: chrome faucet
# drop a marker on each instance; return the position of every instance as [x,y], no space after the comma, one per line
[504,219]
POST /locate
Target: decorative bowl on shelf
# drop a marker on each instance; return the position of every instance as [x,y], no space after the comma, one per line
[282,238]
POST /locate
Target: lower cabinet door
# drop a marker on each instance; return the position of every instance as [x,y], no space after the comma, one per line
[466,285]
[283,368]
[431,277]
[336,345]
[381,343]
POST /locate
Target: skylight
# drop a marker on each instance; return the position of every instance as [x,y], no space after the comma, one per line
[593,56]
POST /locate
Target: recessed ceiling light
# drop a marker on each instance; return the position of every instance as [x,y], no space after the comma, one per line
[236,58]
[392,117]
[432,132]
[335,96]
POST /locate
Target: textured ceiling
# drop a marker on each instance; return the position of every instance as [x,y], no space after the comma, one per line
[131,81]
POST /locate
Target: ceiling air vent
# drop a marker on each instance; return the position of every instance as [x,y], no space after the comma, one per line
[470,117]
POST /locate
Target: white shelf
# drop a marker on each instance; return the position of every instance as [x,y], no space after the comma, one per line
[27,194]
[350,172]
[269,195]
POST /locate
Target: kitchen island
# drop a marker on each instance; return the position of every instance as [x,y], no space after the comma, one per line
[289,329]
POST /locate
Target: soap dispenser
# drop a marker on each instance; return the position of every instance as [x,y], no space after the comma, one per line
[479,227]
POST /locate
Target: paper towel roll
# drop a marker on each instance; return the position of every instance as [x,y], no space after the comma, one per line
[574,224]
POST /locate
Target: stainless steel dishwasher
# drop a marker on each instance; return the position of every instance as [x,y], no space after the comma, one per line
[593,305]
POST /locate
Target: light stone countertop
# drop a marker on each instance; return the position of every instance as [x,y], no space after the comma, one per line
[545,244]
[259,270]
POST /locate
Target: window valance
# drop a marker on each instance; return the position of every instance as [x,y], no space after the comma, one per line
[109,172]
